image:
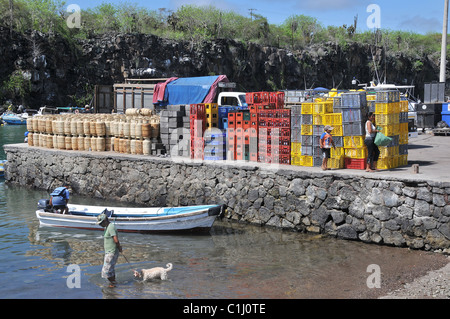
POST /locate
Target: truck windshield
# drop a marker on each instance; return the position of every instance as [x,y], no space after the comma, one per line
[229,100]
[242,99]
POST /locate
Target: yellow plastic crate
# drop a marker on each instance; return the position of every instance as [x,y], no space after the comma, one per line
[384,163]
[296,160]
[296,148]
[403,138]
[317,119]
[307,129]
[336,162]
[356,152]
[403,128]
[306,160]
[387,108]
[336,153]
[403,106]
[389,130]
[394,161]
[211,108]
[337,130]
[403,160]
[322,107]
[307,108]
[353,141]
[332,119]
[387,119]
[388,151]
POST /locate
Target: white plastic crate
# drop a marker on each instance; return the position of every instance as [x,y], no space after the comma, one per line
[356,128]
[351,115]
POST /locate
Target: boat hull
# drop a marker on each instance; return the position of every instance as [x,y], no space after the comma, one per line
[14,120]
[2,168]
[195,220]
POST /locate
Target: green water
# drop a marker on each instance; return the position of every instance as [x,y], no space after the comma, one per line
[11,134]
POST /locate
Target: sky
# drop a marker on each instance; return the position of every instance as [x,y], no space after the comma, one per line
[419,16]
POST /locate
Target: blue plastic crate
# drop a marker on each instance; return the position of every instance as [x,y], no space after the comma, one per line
[446,113]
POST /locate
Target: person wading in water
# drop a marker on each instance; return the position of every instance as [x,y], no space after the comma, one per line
[112,249]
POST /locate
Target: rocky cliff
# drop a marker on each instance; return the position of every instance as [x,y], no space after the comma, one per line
[60,70]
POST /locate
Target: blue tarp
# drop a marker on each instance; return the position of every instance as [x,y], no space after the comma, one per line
[188,90]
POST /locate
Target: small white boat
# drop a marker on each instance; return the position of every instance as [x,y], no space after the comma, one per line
[126,219]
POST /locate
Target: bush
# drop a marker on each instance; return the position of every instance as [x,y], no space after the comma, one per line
[200,23]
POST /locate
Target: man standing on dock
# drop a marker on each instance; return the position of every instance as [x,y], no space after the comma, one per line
[112,249]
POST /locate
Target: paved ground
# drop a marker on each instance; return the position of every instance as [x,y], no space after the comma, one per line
[432,153]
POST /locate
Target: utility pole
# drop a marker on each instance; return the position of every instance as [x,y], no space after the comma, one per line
[251,13]
[444,44]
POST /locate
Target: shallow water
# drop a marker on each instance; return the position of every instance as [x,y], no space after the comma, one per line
[233,261]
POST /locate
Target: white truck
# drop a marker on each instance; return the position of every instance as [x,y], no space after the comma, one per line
[231,98]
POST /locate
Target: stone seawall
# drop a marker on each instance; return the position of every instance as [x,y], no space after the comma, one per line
[365,207]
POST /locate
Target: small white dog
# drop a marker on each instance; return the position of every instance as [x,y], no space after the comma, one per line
[153,273]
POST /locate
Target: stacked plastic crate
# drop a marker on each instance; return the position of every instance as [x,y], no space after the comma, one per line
[311,121]
[174,130]
[272,124]
[214,138]
[296,134]
[242,137]
[391,119]
[403,134]
[353,107]
[215,144]
[223,116]
[212,115]
[197,128]
[335,120]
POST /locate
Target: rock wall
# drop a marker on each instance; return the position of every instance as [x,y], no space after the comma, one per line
[62,71]
[396,212]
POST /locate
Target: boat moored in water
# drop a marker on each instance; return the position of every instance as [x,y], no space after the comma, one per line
[13,119]
[128,219]
[2,168]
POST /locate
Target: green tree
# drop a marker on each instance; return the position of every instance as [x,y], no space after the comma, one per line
[46,15]
[301,29]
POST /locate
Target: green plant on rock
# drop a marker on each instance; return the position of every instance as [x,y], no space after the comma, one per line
[16,87]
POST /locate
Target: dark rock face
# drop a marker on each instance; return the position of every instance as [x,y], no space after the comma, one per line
[60,69]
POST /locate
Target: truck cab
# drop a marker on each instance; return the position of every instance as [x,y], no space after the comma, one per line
[232,98]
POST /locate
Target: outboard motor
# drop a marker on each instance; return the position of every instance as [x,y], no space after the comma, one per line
[44,204]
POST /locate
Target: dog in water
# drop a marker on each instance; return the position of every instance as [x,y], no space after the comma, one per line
[153,273]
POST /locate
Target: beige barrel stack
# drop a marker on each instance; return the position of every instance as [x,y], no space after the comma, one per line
[128,133]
